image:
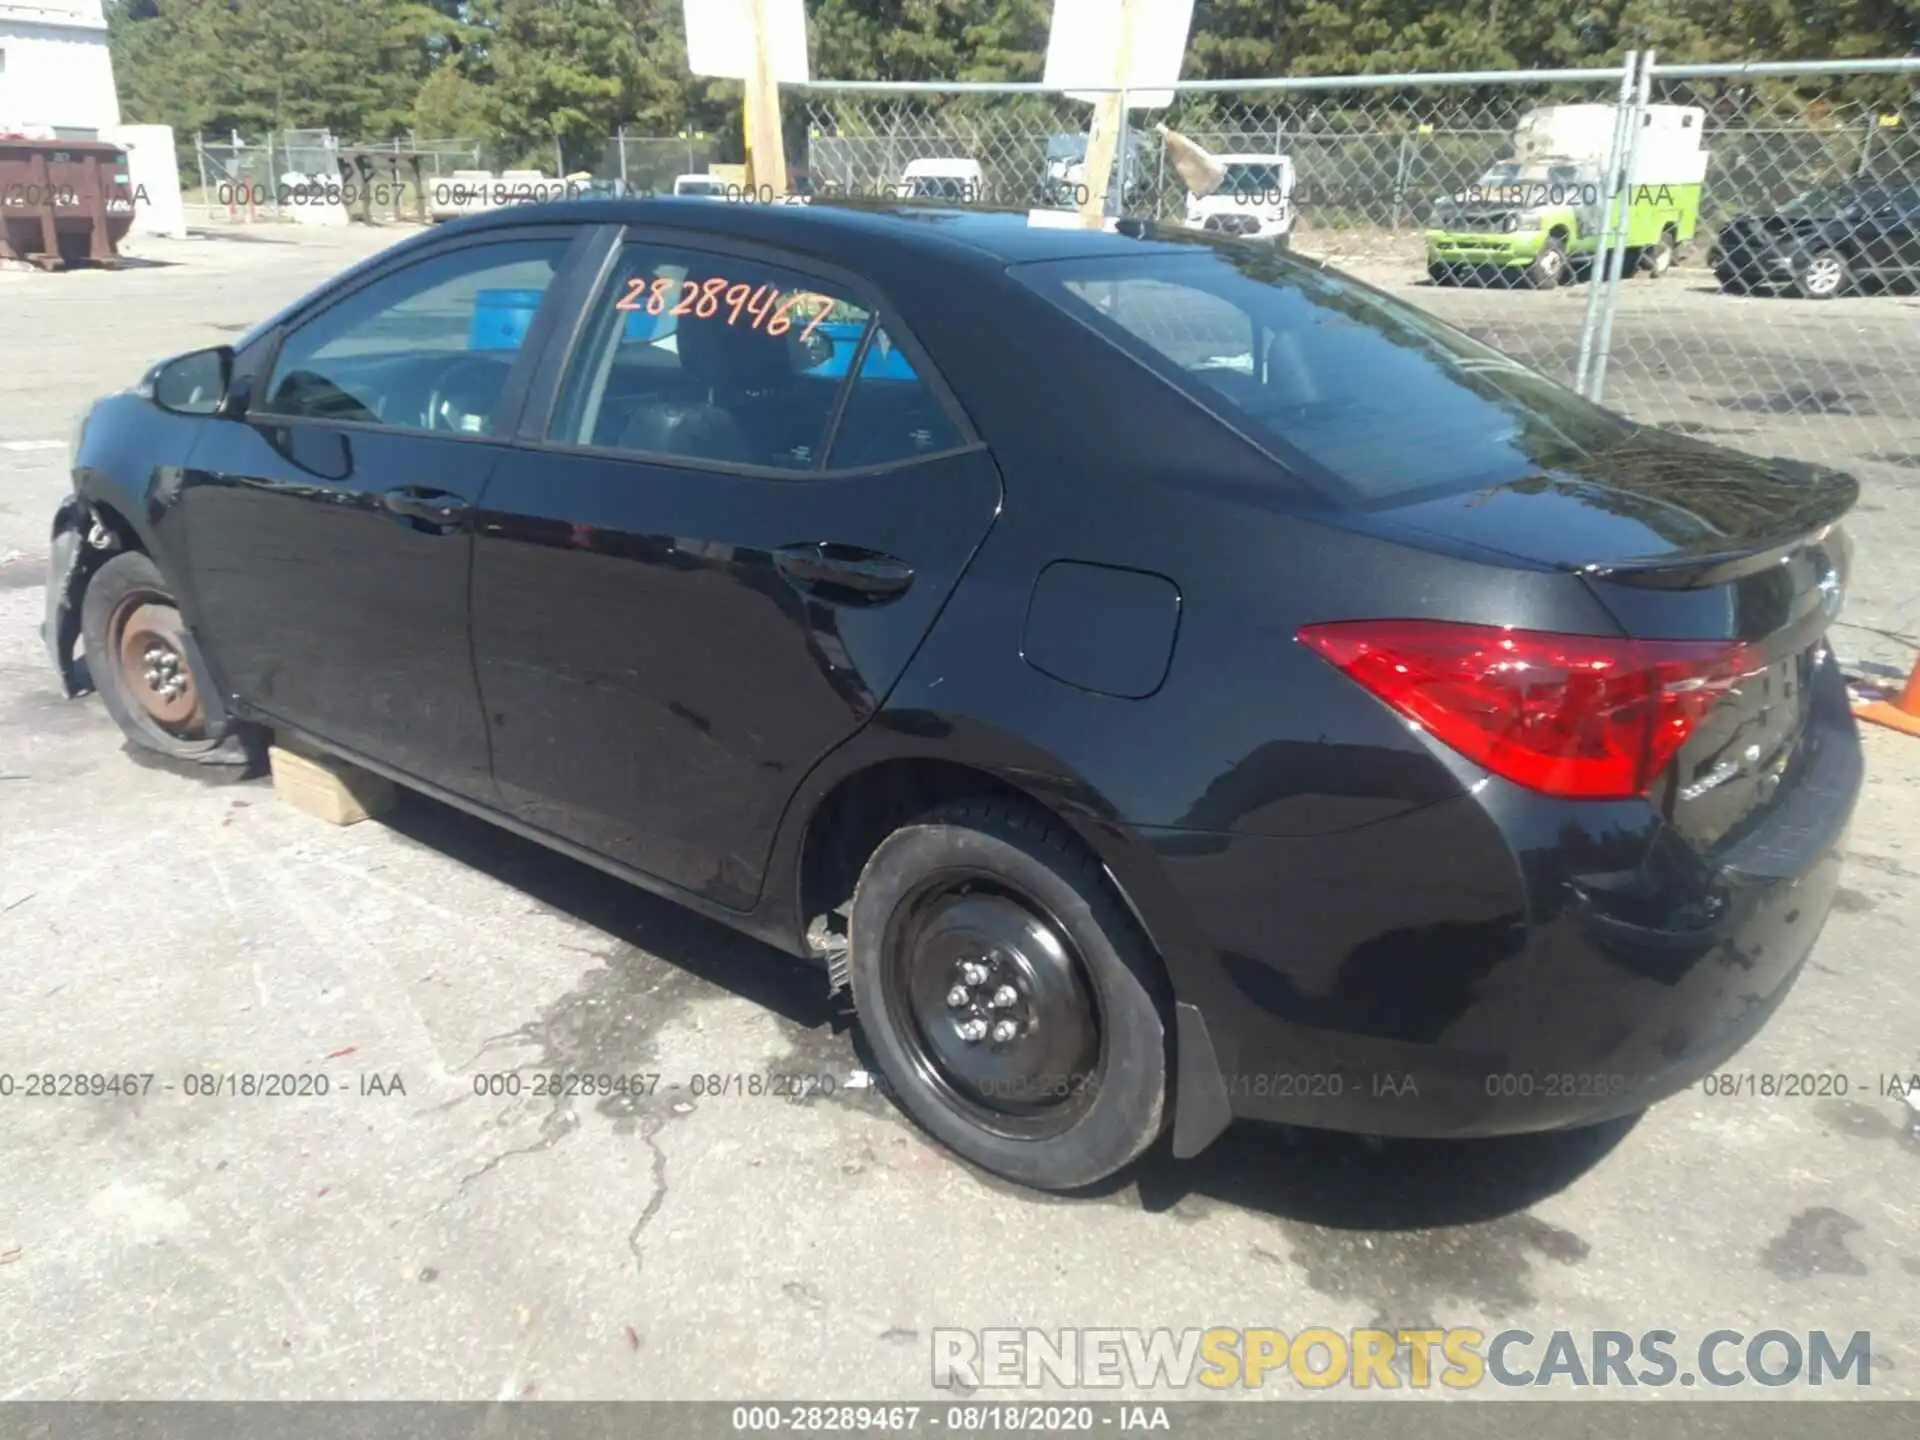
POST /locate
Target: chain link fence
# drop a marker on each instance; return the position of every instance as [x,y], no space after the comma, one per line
[1731,251]
[1748,289]
[267,178]
[650,164]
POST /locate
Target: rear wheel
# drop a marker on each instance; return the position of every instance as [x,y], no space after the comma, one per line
[139,660]
[1822,275]
[1440,273]
[1008,996]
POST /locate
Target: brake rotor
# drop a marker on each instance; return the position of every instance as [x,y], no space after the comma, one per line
[154,668]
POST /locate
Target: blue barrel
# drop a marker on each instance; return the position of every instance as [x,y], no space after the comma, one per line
[846,339]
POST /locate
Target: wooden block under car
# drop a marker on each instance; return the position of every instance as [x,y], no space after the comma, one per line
[339,793]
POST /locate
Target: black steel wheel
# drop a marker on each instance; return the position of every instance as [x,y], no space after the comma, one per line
[1001,1018]
[1009,998]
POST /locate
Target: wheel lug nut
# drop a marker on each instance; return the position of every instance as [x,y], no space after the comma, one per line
[1003,997]
[972,1030]
[958,997]
[974,973]
[1004,1031]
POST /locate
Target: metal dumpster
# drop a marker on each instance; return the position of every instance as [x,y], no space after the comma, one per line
[63,202]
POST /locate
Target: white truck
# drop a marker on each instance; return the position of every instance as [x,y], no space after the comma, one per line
[1536,211]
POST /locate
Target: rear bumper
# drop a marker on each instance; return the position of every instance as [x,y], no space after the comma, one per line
[1499,963]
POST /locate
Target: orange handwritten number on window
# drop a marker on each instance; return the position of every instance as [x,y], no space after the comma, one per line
[631,300]
[709,305]
[736,298]
[657,298]
[689,292]
[761,305]
[780,324]
[826,309]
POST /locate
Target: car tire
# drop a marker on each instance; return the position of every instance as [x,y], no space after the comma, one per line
[1549,268]
[1441,273]
[1660,257]
[985,913]
[1733,282]
[1821,275]
[139,660]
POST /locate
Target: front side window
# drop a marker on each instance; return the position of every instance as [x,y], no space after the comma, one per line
[425,348]
[732,361]
[1368,397]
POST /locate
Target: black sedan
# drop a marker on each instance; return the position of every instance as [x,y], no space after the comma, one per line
[1821,244]
[1162,679]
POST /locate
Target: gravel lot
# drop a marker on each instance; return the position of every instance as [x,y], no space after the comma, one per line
[434,1243]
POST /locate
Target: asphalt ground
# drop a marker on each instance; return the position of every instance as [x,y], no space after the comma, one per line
[423,1240]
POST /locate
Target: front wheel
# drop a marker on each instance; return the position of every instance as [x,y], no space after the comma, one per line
[1549,267]
[1009,997]
[140,662]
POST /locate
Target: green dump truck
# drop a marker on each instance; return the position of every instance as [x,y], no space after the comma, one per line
[1537,213]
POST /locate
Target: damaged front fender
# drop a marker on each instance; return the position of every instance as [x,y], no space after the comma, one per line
[81,544]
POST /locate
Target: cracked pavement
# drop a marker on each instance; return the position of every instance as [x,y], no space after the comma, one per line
[435,1226]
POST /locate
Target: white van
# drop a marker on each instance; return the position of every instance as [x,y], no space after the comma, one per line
[704,187]
[944,178]
[1254,198]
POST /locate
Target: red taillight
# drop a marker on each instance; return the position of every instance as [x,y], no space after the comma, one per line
[1581,716]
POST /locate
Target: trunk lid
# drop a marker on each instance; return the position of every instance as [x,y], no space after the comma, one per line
[1679,539]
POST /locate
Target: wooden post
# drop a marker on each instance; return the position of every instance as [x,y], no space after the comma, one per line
[1109,119]
[766,147]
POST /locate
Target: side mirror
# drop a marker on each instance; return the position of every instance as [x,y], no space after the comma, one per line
[195,383]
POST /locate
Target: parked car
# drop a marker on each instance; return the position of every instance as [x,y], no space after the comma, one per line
[1254,199]
[952,177]
[704,187]
[1063,179]
[1211,689]
[1825,242]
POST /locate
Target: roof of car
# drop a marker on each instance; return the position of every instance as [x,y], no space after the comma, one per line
[846,228]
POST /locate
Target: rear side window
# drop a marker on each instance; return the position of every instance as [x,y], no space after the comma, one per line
[732,361]
[1368,398]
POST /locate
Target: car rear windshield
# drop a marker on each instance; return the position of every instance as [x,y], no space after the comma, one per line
[1369,398]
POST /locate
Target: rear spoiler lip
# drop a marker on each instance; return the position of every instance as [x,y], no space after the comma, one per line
[1698,569]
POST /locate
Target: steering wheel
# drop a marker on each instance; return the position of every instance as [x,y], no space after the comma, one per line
[464,394]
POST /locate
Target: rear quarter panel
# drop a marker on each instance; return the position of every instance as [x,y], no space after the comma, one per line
[1250,733]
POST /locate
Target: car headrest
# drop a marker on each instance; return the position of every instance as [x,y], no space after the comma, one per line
[735,357]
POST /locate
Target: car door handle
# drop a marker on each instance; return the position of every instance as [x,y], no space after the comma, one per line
[844,572]
[432,507]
